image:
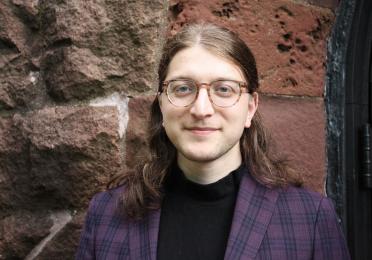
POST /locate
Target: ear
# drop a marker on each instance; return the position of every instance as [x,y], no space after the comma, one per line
[252,108]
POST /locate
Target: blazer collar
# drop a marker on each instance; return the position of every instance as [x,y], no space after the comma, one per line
[253,210]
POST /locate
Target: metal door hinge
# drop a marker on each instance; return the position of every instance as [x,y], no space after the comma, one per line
[366,167]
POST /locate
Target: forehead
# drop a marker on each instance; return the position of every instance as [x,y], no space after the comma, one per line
[201,64]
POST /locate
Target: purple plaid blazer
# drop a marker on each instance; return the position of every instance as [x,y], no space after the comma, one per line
[290,223]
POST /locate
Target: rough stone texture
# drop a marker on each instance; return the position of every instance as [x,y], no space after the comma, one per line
[65,242]
[66,68]
[13,166]
[19,85]
[298,127]
[79,145]
[287,38]
[71,73]
[63,154]
[76,49]
[55,158]
[136,135]
[112,42]
[333,4]
[22,231]
[19,91]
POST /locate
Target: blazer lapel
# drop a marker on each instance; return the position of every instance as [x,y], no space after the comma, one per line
[143,237]
[254,207]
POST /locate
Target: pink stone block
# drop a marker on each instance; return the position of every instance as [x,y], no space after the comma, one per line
[298,127]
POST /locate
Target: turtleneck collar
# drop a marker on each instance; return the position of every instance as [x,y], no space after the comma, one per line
[225,187]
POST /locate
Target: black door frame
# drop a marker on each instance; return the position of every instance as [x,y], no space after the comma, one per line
[348,108]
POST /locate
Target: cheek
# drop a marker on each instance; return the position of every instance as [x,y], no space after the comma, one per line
[167,115]
[171,112]
[171,117]
[237,115]
[171,127]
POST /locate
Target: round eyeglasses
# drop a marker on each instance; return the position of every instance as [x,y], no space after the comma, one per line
[222,93]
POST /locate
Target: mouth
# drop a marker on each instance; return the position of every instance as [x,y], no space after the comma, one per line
[202,130]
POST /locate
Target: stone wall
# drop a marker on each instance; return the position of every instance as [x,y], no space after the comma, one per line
[68,124]
[66,71]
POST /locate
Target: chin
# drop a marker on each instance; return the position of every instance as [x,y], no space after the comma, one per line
[205,156]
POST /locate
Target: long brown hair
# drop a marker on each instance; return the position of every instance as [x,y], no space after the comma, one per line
[143,185]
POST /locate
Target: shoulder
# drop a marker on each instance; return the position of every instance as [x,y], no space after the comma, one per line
[106,202]
[106,212]
[301,197]
[302,200]
[309,206]
[108,196]
[289,198]
[104,228]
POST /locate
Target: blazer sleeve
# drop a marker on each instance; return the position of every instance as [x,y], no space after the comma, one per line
[329,242]
[85,249]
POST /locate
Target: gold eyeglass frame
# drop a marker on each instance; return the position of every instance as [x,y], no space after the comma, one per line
[242,85]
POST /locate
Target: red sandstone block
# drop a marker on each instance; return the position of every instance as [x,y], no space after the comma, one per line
[136,134]
[287,38]
[298,127]
[325,3]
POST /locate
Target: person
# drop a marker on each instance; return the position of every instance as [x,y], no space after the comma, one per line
[211,187]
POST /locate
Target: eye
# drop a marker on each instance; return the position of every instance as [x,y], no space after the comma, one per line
[181,88]
[225,88]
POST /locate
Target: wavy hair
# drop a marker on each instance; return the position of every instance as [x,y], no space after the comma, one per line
[143,184]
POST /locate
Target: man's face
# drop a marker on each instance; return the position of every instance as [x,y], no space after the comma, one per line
[203,132]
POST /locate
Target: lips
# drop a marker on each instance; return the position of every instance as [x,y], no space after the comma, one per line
[202,130]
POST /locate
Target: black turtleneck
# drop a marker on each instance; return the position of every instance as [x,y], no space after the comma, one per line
[196,219]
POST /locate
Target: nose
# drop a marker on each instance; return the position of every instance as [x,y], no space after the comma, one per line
[202,106]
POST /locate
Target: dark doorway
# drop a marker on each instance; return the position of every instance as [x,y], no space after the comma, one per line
[349,115]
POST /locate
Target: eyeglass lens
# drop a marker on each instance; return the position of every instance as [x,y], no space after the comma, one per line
[222,93]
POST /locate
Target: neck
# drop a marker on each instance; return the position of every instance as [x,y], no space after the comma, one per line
[206,172]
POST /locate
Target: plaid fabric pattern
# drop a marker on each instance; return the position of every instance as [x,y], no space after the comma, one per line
[290,223]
